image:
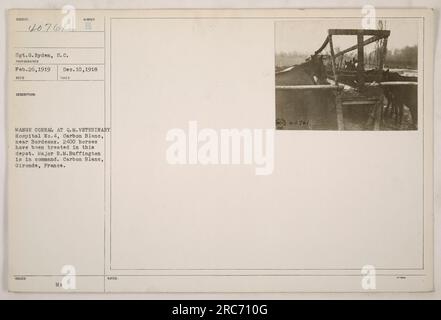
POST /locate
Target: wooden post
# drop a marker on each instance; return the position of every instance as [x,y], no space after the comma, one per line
[339,110]
[360,62]
[334,70]
[378,113]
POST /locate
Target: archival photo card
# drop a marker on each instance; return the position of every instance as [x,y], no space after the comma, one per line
[216,150]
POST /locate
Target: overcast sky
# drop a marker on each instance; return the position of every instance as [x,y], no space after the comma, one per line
[306,36]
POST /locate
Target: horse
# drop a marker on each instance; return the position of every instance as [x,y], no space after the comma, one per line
[398,96]
[309,108]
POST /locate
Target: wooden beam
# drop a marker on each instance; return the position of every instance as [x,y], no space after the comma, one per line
[366,42]
[308,87]
[392,83]
[339,111]
[323,46]
[360,61]
[359,102]
[378,113]
[364,32]
[334,69]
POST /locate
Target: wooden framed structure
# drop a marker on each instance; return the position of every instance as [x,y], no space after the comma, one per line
[374,36]
[368,84]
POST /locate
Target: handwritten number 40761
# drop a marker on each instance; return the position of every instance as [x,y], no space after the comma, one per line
[47,27]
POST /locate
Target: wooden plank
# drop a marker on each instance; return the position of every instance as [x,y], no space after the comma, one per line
[354,32]
[392,83]
[359,102]
[308,87]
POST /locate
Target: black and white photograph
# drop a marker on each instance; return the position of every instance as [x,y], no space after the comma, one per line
[340,75]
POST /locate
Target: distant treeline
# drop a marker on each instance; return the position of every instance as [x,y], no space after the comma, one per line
[406,57]
[286,59]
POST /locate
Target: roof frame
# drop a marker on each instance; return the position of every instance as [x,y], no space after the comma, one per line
[356,32]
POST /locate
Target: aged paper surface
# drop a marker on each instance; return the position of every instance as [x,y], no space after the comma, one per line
[220,150]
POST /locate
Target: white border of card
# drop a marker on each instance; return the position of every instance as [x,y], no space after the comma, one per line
[117,176]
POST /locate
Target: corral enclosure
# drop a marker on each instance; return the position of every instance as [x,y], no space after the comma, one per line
[364,86]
